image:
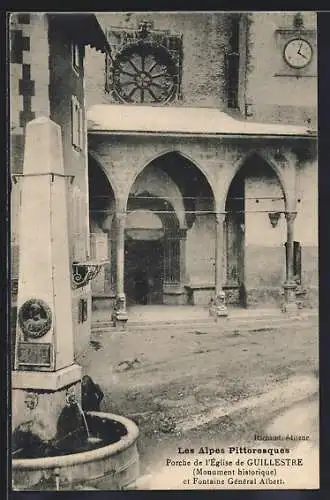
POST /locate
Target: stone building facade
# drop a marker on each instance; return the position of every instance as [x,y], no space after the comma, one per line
[203,158]
[199,175]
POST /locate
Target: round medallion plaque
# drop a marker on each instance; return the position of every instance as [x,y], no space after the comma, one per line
[35,318]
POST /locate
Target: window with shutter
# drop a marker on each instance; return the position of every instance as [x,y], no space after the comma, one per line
[77,118]
[75,55]
[232,63]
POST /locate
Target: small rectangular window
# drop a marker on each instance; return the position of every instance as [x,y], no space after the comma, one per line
[81,128]
[232,62]
[232,67]
[82,310]
[77,124]
[75,54]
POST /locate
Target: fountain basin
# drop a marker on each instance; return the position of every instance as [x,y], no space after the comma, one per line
[113,466]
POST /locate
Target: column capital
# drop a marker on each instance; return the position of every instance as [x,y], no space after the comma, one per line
[220,217]
[183,233]
[290,216]
[121,216]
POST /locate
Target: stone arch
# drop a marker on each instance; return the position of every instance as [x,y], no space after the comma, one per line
[102,208]
[162,154]
[149,257]
[241,162]
[162,207]
[96,157]
[165,189]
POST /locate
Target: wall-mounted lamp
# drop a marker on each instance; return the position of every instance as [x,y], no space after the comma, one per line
[274,218]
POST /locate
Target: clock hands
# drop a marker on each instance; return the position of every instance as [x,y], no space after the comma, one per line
[302,55]
[298,51]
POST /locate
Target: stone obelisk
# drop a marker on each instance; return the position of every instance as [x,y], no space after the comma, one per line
[45,374]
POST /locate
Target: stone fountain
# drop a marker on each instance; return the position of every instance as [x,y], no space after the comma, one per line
[56,444]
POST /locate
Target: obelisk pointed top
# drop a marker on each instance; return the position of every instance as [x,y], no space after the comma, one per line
[43,147]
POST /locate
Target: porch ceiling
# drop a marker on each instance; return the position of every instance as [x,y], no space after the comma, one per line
[169,120]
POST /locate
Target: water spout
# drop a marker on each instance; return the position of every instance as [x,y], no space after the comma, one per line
[57,479]
[81,411]
[90,439]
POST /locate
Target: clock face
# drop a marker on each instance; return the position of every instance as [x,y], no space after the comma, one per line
[144,73]
[298,53]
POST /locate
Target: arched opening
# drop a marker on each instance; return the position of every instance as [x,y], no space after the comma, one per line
[167,249]
[151,241]
[102,229]
[255,233]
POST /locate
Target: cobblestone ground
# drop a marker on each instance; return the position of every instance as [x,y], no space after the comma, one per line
[239,375]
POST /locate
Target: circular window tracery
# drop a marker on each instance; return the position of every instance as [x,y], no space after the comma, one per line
[144,73]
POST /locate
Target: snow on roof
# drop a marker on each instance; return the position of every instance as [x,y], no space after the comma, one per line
[132,119]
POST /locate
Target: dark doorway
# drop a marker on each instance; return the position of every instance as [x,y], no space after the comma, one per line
[144,261]
[235,242]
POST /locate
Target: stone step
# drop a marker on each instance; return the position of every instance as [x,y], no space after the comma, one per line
[276,319]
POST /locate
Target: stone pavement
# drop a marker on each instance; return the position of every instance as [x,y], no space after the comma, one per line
[286,393]
[151,347]
[176,364]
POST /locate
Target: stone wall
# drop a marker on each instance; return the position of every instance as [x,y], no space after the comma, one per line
[200,251]
[273,91]
[264,252]
[268,90]
[205,42]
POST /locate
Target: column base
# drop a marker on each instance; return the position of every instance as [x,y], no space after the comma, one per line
[218,306]
[122,316]
[290,308]
[290,302]
[119,314]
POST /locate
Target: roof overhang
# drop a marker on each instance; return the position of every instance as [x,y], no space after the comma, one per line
[83,28]
[119,119]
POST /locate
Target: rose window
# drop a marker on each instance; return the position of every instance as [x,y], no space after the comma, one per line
[144,74]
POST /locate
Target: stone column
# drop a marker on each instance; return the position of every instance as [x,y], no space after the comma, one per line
[225,250]
[113,256]
[183,241]
[121,313]
[290,285]
[218,306]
